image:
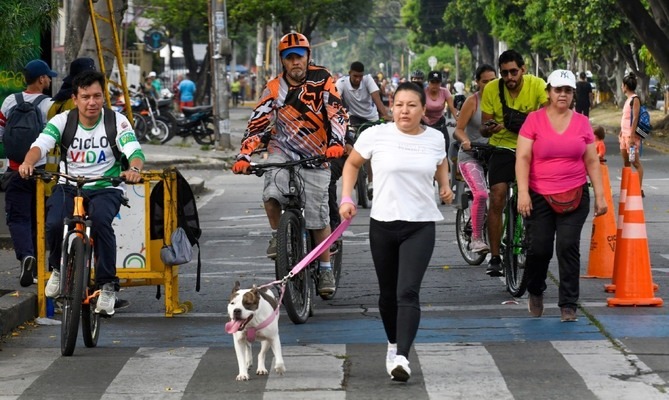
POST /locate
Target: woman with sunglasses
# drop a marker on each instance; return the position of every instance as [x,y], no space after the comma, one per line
[556,153]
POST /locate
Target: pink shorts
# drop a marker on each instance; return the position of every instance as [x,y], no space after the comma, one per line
[626,141]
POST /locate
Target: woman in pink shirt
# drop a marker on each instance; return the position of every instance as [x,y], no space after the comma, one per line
[437,99]
[556,151]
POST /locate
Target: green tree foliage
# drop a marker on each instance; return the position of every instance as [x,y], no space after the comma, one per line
[22,23]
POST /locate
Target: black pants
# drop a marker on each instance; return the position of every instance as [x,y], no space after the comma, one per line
[401,252]
[21,215]
[542,226]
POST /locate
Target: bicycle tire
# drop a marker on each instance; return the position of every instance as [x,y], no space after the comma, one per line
[336,253]
[73,290]
[140,127]
[463,234]
[90,321]
[515,252]
[205,134]
[290,247]
[362,188]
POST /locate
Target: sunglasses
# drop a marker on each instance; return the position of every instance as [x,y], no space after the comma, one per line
[513,72]
[563,89]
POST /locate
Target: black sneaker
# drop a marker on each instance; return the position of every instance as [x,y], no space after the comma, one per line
[121,303]
[28,270]
[535,304]
[495,267]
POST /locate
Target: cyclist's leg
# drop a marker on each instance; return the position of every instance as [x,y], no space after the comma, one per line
[275,185]
[316,208]
[103,206]
[473,174]
[58,206]
[567,249]
[501,169]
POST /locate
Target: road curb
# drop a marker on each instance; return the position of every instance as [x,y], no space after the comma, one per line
[16,307]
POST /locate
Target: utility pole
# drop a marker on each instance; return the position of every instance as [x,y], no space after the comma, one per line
[220,87]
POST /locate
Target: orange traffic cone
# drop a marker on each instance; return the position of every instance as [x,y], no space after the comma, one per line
[621,212]
[634,286]
[603,237]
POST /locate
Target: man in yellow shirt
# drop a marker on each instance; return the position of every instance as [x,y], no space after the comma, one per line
[523,93]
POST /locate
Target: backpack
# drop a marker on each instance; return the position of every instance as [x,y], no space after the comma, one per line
[187,216]
[24,124]
[643,127]
[110,129]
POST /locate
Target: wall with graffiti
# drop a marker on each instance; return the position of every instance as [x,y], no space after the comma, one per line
[10,82]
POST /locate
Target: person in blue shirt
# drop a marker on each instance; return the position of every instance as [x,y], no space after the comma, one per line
[186,93]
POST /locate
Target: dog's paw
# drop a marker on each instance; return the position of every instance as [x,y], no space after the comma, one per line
[279,369]
[262,371]
[243,377]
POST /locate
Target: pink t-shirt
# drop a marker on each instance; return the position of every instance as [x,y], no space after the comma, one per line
[434,109]
[557,159]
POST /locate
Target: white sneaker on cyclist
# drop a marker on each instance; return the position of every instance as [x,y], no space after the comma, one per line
[106,300]
[479,246]
[53,285]
[326,282]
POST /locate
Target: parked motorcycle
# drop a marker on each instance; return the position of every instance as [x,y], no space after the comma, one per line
[197,122]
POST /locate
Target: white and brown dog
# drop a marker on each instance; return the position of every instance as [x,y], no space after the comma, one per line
[254,313]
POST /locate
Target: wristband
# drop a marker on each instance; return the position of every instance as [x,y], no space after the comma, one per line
[347,199]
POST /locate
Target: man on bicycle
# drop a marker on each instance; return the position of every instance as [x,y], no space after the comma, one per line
[362,99]
[89,154]
[309,120]
[418,77]
[521,92]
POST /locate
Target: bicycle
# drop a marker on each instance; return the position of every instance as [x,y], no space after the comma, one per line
[365,194]
[294,241]
[464,199]
[78,292]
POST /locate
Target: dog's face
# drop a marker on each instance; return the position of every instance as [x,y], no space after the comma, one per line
[242,307]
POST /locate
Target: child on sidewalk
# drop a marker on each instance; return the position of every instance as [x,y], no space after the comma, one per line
[600,134]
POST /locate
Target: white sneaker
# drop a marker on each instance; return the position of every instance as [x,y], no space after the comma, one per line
[390,358]
[478,246]
[106,300]
[53,285]
[401,371]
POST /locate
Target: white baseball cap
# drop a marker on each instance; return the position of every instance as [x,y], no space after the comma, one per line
[152,74]
[562,77]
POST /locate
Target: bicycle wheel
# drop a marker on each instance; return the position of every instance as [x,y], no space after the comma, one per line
[463,234]
[141,127]
[362,189]
[205,134]
[514,265]
[72,275]
[290,250]
[336,253]
[90,321]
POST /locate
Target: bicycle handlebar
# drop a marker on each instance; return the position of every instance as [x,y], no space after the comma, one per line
[80,181]
[259,168]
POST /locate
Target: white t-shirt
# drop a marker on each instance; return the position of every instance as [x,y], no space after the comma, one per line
[10,102]
[89,153]
[359,101]
[404,167]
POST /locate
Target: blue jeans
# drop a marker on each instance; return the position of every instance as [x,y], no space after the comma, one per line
[103,205]
[401,252]
[541,227]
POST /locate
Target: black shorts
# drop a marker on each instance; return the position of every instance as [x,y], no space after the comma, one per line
[501,167]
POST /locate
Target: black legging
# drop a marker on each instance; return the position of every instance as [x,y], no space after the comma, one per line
[441,127]
[401,252]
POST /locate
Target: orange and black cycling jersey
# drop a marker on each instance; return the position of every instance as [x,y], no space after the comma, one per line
[307,118]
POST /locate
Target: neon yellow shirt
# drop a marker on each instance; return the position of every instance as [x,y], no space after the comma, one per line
[532,95]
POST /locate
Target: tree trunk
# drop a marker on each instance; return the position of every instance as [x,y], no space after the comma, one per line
[189,56]
[654,33]
[81,40]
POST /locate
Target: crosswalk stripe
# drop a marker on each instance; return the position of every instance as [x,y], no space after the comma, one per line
[22,369]
[170,371]
[608,373]
[461,371]
[312,371]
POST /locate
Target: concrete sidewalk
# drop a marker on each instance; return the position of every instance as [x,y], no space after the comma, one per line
[18,304]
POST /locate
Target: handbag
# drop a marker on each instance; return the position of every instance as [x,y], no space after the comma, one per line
[513,119]
[180,251]
[565,202]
